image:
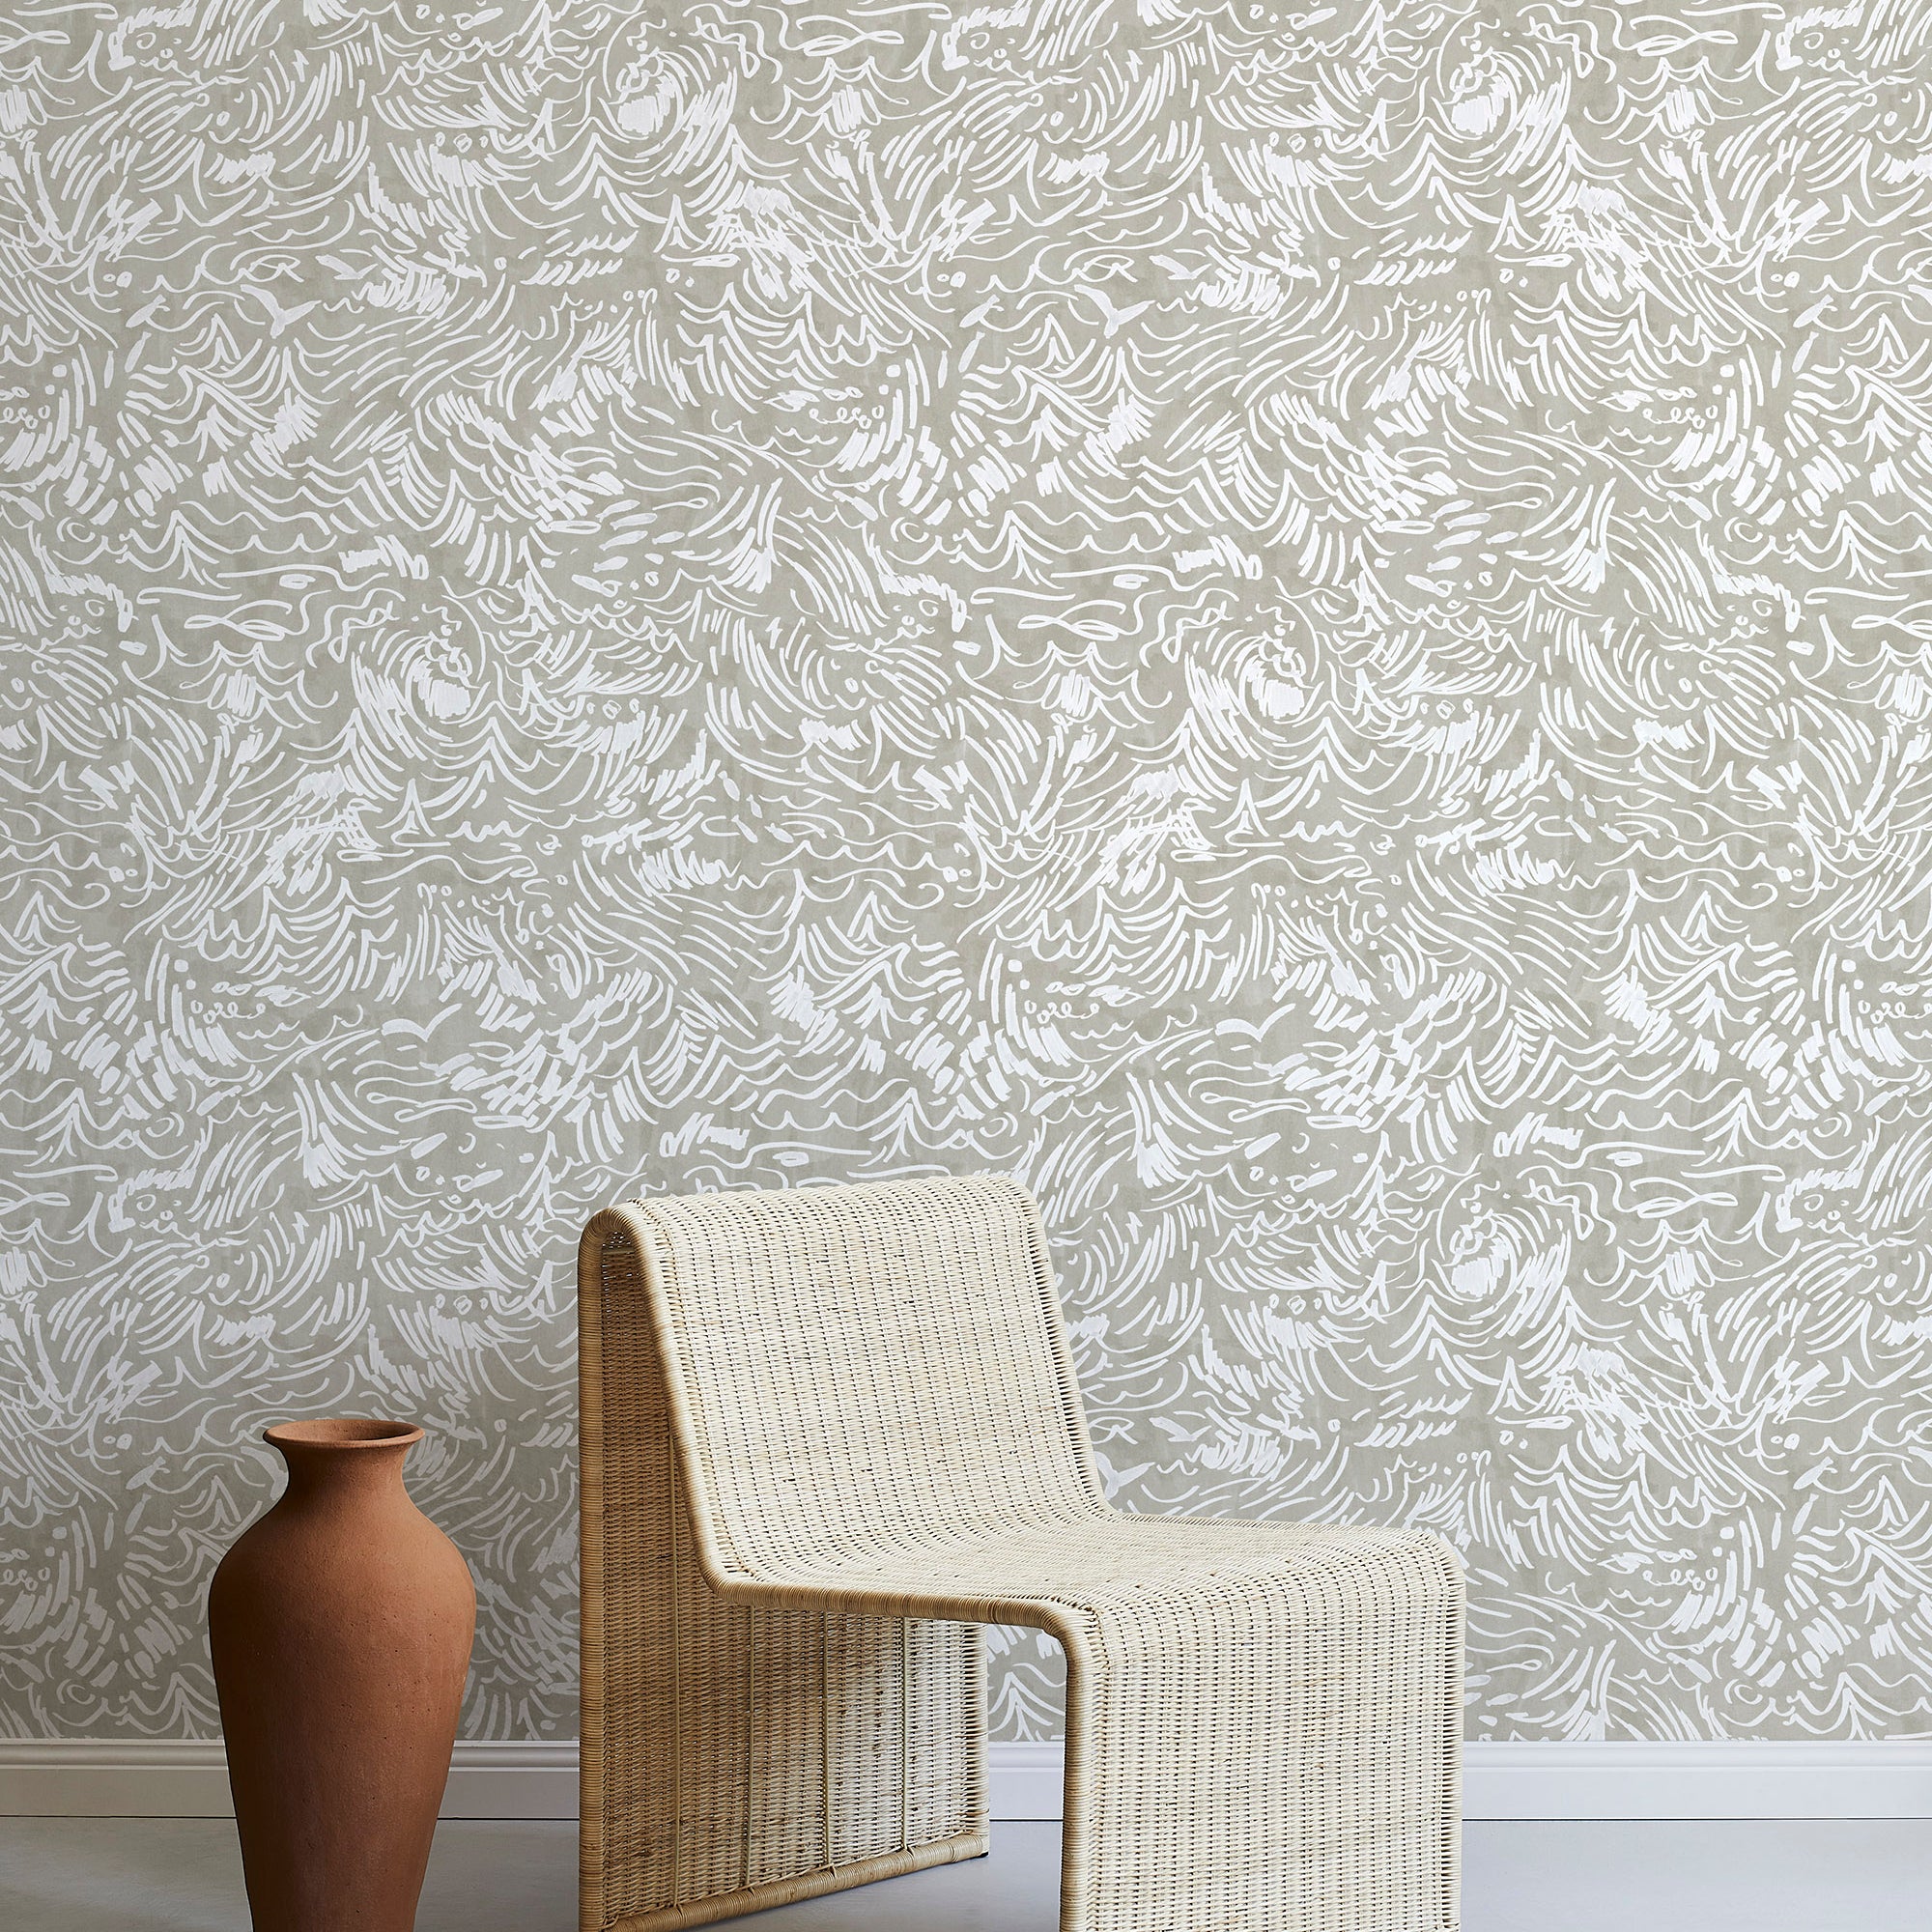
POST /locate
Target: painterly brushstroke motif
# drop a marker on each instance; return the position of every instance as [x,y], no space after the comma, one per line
[1311,626]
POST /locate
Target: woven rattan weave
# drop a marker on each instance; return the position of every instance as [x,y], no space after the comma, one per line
[828,1431]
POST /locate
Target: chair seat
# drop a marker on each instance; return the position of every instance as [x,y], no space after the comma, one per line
[1111,1567]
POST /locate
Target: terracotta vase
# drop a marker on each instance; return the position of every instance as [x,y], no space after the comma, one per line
[341,1625]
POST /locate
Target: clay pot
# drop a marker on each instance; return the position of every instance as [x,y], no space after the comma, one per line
[341,1625]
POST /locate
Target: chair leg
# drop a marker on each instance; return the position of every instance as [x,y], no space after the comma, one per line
[734,1757]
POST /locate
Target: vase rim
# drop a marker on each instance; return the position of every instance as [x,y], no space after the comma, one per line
[343,1432]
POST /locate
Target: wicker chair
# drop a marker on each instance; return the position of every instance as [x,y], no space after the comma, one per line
[815,1422]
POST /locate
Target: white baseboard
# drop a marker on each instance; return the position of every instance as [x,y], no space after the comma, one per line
[188,1778]
[1727,1777]
[1024,1780]
[1721,1779]
[105,1777]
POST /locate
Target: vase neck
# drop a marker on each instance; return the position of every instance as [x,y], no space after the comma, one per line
[343,1460]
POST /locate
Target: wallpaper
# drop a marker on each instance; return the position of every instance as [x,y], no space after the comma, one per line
[1310,626]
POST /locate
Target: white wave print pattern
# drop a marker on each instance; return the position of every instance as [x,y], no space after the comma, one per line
[1307,625]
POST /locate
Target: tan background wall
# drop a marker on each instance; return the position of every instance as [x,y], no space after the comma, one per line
[1309,627]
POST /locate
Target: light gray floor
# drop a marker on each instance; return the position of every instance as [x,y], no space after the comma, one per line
[183,1875]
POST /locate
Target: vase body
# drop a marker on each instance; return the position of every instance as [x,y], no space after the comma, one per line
[340,1625]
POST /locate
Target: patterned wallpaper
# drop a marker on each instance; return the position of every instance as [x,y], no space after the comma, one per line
[1310,626]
